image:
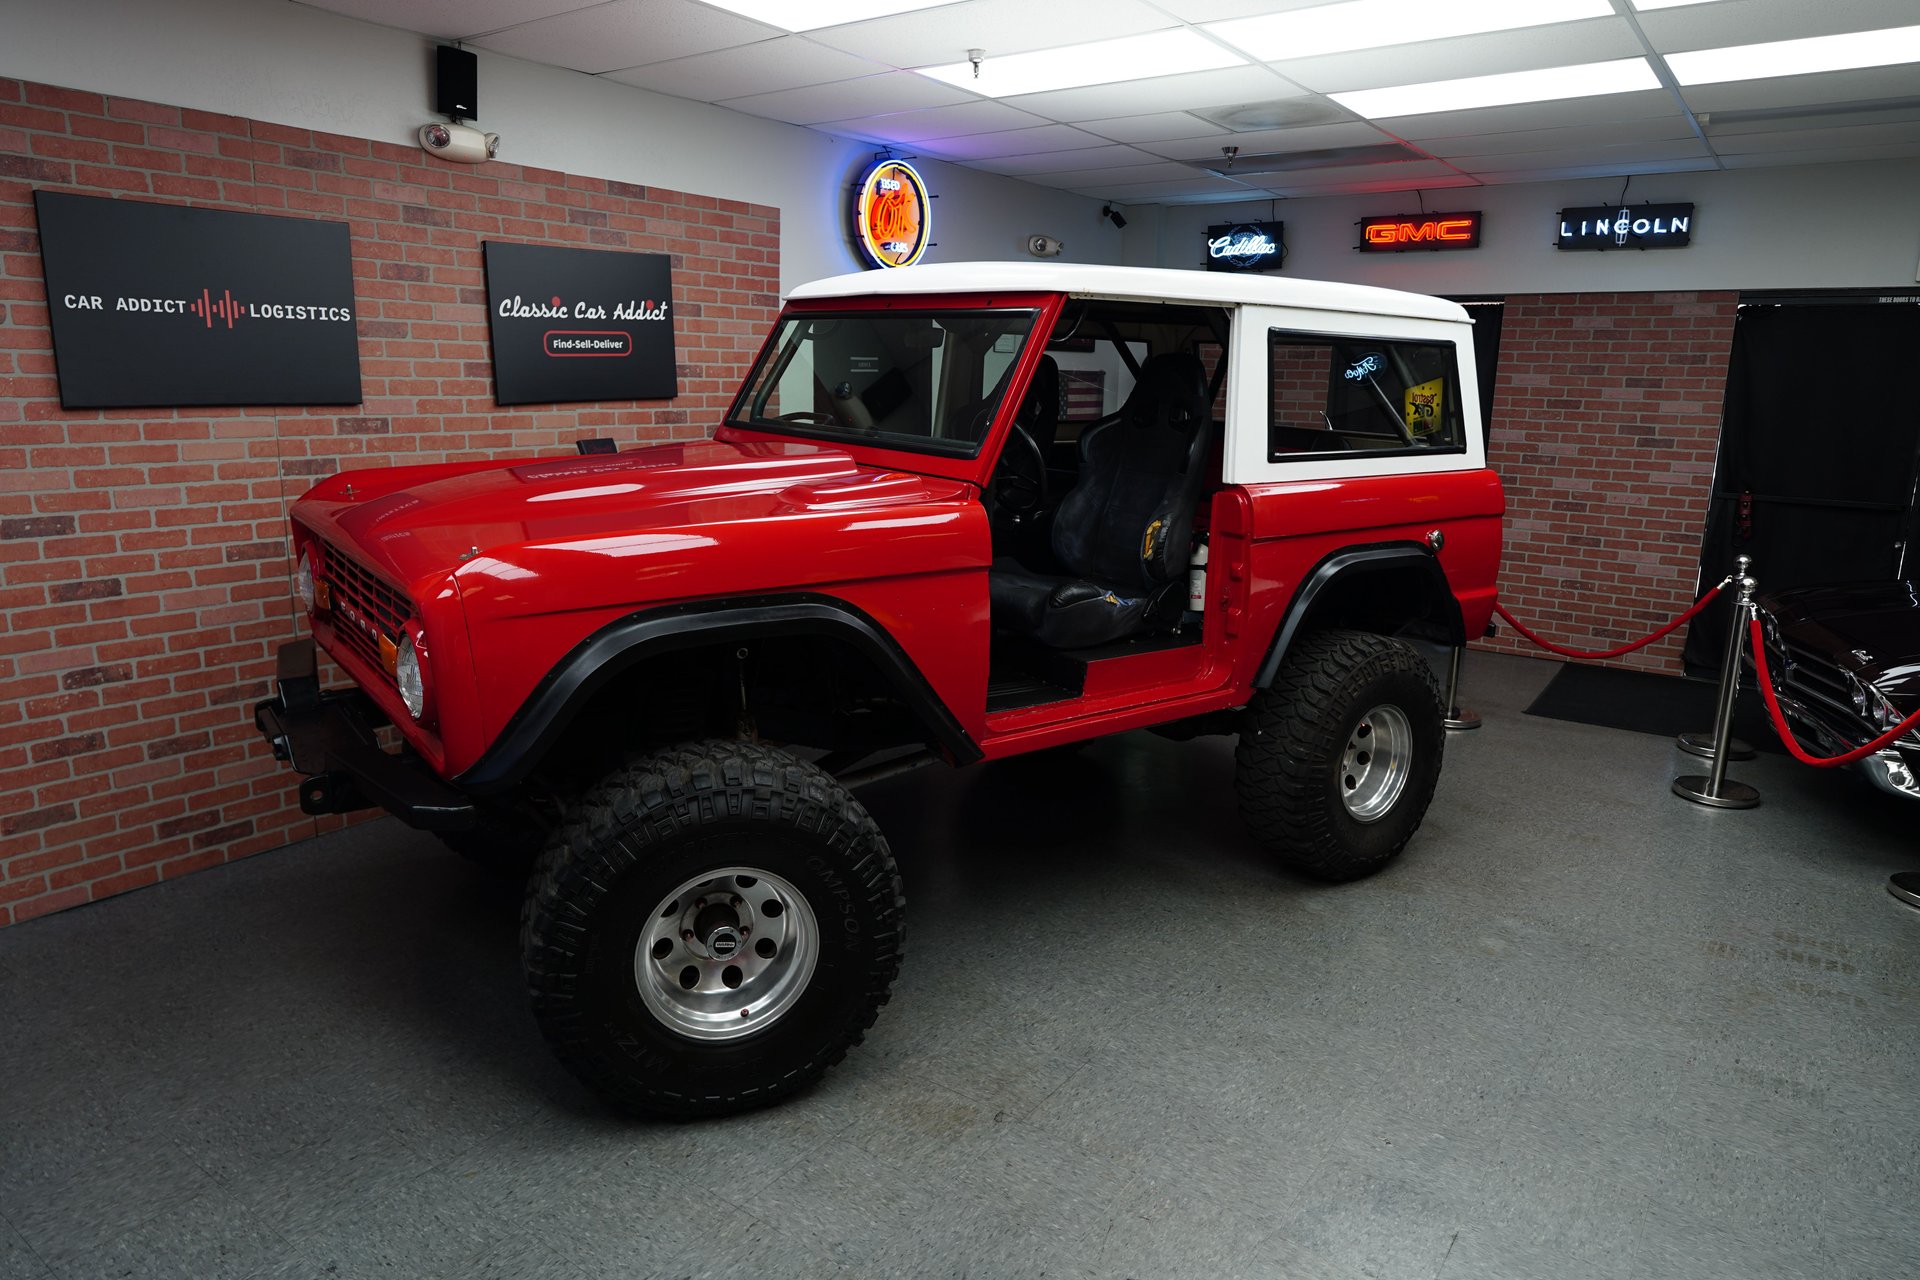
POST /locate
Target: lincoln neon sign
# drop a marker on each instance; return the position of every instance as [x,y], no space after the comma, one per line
[1400,232]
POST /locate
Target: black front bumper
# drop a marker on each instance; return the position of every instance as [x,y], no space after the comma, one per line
[328,735]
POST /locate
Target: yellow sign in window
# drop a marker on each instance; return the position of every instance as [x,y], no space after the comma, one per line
[1423,407]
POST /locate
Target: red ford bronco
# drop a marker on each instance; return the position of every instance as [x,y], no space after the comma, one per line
[956,513]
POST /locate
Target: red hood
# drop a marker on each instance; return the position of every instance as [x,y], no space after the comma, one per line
[621,517]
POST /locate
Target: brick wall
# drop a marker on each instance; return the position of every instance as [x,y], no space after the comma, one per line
[1607,421]
[143,556]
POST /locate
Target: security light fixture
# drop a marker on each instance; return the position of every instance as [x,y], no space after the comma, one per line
[1157,53]
[1847,52]
[1112,215]
[1549,84]
[1373,24]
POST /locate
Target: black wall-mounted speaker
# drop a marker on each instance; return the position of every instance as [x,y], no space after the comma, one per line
[456,83]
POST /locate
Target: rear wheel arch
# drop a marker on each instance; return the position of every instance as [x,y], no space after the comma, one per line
[1389,588]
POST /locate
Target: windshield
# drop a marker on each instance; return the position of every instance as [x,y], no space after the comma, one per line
[925,381]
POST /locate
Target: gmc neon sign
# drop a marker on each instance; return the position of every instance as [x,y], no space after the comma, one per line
[1400,232]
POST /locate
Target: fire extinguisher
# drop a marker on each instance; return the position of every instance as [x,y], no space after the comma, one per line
[1197,576]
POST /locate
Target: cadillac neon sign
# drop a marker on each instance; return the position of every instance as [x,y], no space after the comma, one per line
[1400,232]
[892,214]
[1246,246]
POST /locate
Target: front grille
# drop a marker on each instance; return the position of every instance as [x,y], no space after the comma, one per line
[1810,677]
[365,609]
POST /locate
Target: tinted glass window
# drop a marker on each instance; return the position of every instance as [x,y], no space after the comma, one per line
[1341,395]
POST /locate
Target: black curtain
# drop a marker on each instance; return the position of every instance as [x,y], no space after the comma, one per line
[1817,453]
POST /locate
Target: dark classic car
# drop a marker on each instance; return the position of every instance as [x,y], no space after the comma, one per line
[1845,662]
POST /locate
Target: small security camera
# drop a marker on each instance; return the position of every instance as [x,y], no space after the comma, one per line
[459,143]
[1044,246]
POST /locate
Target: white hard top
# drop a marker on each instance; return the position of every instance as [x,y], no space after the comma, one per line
[1148,284]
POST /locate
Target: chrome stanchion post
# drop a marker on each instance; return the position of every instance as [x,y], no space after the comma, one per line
[1704,744]
[1716,789]
[1458,718]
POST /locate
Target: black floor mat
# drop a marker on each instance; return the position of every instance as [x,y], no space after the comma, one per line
[1643,702]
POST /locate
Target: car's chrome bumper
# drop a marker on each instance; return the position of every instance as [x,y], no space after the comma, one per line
[1887,768]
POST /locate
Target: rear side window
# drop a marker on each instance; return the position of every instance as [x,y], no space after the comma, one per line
[1371,395]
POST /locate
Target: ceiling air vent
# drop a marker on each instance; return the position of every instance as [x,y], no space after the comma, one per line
[1283,113]
[1325,158]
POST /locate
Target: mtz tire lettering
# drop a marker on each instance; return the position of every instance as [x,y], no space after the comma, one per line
[1338,759]
[671,935]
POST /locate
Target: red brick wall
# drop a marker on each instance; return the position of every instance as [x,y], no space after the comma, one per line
[1606,420]
[143,556]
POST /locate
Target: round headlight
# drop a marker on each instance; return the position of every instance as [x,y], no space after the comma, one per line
[406,675]
[303,581]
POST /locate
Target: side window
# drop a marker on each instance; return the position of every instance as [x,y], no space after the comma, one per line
[1341,395]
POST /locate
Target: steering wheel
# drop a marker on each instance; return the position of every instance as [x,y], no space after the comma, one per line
[1019,484]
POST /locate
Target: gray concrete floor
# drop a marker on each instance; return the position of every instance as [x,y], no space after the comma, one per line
[1582,1029]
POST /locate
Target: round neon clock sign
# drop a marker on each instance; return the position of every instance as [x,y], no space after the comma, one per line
[892,216]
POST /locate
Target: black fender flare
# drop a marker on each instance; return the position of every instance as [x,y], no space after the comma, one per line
[618,646]
[1345,564]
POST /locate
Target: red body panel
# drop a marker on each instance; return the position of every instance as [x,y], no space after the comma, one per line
[512,564]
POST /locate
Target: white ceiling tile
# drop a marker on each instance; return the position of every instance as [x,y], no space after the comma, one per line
[1494,53]
[1630,154]
[850,99]
[769,66]
[1822,155]
[1573,172]
[1220,10]
[450,19]
[1407,172]
[933,37]
[1356,133]
[1533,115]
[1108,157]
[1801,91]
[626,33]
[1148,128]
[1011,142]
[1653,129]
[1199,186]
[1382,186]
[1118,175]
[935,122]
[1737,22]
[1162,93]
[1891,136]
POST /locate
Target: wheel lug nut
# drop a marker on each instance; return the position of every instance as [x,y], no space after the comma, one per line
[735,900]
[687,934]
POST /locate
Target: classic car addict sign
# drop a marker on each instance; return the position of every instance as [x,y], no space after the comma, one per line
[158,304]
[580,324]
[1246,246]
[1638,226]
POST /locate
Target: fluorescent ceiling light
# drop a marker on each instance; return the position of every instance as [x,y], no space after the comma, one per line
[1157,53]
[1373,24]
[810,15]
[1549,84]
[1798,57]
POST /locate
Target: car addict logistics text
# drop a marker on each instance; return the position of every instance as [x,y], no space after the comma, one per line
[181,306]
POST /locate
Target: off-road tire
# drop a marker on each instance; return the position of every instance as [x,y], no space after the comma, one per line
[1288,767]
[653,823]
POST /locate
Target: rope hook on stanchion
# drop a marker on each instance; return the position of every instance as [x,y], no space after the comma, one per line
[1702,744]
[1716,790]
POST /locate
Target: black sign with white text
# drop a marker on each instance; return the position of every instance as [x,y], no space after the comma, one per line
[159,304]
[1634,226]
[1246,246]
[580,324]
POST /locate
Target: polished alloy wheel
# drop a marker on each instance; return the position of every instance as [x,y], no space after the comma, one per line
[726,954]
[1376,762]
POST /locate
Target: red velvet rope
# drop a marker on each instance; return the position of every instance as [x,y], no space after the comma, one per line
[1785,731]
[1671,627]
